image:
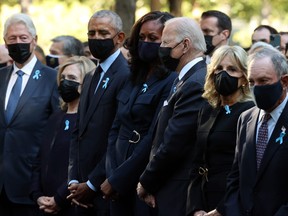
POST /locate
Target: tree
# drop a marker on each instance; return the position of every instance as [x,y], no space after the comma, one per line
[126,10]
[155,5]
[175,7]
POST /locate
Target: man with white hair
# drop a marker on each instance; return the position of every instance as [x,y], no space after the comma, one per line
[167,175]
[29,96]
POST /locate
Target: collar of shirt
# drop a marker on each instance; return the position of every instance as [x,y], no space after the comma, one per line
[275,114]
[28,68]
[109,61]
[188,66]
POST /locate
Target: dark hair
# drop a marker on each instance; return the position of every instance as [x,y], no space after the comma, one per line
[269,28]
[224,21]
[139,69]
[71,45]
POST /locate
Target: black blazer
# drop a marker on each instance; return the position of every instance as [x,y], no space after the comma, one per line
[89,141]
[168,172]
[20,139]
[263,192]
[215,149]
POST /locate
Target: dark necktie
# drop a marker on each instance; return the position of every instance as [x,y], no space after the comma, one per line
[262,138]
[14,97]
[95,80]
[174,88]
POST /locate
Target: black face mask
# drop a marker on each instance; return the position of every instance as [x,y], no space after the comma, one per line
[148,51]
[266,96]
[19,52]
[209,46]
[3,64]
[101,49]
[52,61]
[68,90]
[169,62]
[225,84]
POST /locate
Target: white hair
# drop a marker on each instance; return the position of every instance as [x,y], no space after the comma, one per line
[23,19]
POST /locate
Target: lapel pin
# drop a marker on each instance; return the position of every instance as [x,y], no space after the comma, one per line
[145,87]
[105,83]
[227,109]
[282,134]
[37,75]
[174,89]
[66,125]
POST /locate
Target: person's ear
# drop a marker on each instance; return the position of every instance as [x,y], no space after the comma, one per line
[120,38]
[284,81]
[186,44]
[226,33]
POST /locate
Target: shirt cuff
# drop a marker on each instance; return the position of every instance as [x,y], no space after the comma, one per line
[73,182]
[91,186]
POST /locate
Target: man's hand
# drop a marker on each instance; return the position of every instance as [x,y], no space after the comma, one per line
[108,191]
[81,195]
[213,213]
[149,199]
[199,213]
[48,205]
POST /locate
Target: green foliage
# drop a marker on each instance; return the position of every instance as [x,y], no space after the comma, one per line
[56,17]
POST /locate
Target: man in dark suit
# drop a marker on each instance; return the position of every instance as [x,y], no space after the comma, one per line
[97,110]
[164,182]
[29,95]
[257,183]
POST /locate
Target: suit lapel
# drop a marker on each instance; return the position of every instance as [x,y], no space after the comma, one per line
[5,77]
[191,71]
[84,98]
[98,95]
[30,87]
[249,150]
[272,145]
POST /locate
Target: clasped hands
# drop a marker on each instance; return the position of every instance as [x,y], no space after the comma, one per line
[48,204]
[203,213]
[81,195]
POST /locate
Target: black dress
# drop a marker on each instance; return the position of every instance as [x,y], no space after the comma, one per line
[50,177]
[214,153]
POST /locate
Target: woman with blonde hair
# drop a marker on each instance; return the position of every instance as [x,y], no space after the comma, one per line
[49,185]
[227,92]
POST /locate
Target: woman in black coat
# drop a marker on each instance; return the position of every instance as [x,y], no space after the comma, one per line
[49,185]
[227,91]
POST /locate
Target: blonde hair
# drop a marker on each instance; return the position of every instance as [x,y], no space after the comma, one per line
[238,58]
[85,66]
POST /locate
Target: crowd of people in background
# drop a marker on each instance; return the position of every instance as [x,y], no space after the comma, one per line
[170,120]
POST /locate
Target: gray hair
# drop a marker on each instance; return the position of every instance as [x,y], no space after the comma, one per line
[257,46]
[188,28]
[23,19]
[278,60]
[71,45]
[116,20]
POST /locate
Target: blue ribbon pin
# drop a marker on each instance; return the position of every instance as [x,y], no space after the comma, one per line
[227,108]
[37,74]
[105,83]
[66,125]
[282,134]
[174,89]
[145,87]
